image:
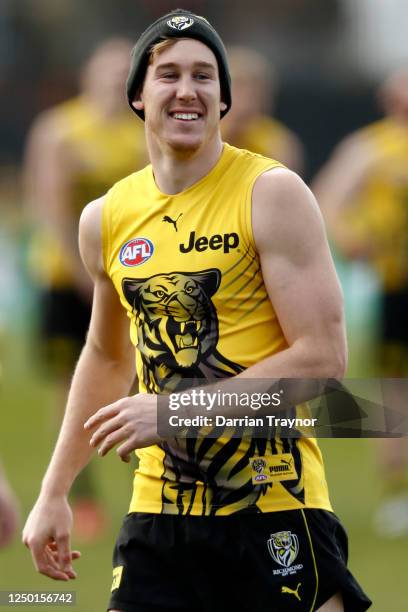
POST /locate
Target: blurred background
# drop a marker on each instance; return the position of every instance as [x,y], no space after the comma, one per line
[326,61]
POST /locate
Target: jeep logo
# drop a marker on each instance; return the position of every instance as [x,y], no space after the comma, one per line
[215,242]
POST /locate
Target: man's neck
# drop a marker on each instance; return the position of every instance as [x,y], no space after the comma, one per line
[177,171]
[107,107]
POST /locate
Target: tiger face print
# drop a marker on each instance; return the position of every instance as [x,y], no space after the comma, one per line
[177,326]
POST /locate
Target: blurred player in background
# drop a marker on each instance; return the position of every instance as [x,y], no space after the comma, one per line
[363,192]
[75,151]
[8,511]
[249,124]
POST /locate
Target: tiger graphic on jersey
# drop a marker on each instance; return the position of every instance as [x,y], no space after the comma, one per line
[177,329]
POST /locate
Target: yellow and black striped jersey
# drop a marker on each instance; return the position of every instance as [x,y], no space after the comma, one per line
[188,274]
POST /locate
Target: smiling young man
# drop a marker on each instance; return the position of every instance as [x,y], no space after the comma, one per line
[219,259]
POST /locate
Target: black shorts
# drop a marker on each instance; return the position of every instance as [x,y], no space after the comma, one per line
[63,324]
[281,561]
[394,316]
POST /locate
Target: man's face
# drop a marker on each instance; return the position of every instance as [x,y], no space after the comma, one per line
[247,92]
[106,72]
[181,96]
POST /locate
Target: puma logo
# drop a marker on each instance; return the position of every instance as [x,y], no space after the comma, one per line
[286,462]
[286,589]
[167,219]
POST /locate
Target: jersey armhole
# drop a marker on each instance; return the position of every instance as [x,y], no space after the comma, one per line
[247,216]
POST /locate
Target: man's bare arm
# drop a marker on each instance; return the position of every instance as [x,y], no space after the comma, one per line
[104,373]
[338,185]
[343,175]
[105,369]
[300,278]
[49,170]
[9,511]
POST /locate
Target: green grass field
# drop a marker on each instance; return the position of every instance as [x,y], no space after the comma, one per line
[25,445]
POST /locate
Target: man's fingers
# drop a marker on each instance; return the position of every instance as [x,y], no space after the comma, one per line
[48,570]
[64,552]
[104,413]
[111,440]
[53,561]
[125,457]
[42,562]
[104,430]
[132,443]
[124,450]
[60,556]
[75,554]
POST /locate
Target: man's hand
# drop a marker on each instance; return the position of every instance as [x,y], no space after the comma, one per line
[132,420]
[9,514]
[47,535]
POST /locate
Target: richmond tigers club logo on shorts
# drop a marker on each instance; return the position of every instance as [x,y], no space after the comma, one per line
[283,547]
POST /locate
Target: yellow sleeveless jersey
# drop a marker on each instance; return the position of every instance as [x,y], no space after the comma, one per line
[102,152]
[379,215]
[188,274]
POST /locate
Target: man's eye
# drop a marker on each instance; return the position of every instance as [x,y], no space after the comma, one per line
[169,75]
[201,76]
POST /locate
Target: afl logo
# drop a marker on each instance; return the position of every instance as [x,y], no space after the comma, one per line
[136,251]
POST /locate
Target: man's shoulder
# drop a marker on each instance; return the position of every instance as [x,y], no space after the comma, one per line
[279,181]
[69,111]
[90,234]
[129,183]
[245,164]
[54,126]
[91,215]
[248,156]
[280,192]
[281,202]
[363,137]
[270,180]
[269,127]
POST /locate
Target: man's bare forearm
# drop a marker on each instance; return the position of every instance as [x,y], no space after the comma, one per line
[97,381]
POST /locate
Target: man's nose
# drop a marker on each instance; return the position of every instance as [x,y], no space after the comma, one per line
[186,90]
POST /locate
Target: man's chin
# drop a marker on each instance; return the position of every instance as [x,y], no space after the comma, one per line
[185,145]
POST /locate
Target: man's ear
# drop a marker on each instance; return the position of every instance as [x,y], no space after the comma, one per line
[138,103]
[223,106]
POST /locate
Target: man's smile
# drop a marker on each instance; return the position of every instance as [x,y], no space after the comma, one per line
[185,116]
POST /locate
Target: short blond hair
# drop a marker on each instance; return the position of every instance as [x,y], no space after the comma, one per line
[158,48]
